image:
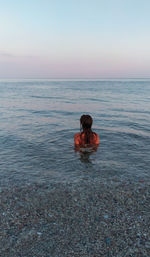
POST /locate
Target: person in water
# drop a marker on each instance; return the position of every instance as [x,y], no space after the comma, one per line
[86,136]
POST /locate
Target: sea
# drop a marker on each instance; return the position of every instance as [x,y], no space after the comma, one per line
[38,120]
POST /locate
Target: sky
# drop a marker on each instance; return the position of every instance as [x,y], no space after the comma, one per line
[74,39]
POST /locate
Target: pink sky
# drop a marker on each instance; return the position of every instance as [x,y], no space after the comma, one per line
[73,67]
[75,39]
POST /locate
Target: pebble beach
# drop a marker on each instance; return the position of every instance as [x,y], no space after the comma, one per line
[88,219]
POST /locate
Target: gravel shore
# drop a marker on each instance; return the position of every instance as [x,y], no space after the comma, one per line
[84,219]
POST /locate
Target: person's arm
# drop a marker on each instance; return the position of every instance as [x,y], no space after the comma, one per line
[77,139]
[97,141]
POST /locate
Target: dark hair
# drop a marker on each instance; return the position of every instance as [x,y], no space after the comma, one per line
[86,124]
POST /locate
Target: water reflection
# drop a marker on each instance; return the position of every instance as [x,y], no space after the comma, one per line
[86,152]
[85,157]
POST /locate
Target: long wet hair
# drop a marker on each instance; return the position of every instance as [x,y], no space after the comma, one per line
[85,125]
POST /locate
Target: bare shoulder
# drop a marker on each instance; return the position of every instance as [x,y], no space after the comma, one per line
[77,138]
[77,135]
[97,141]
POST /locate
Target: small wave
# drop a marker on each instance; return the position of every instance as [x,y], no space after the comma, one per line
[125,110]
[126,131]
[45,97]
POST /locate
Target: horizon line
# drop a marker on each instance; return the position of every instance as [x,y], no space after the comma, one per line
[75,78]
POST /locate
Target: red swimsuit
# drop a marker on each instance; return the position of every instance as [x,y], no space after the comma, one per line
[79,139]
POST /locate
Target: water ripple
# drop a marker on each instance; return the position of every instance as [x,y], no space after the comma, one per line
[40,118]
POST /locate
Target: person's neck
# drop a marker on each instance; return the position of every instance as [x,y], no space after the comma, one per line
[87,129]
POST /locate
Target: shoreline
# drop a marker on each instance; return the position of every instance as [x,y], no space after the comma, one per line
[90,218]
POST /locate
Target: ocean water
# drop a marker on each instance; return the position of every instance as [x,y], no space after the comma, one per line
[38,119]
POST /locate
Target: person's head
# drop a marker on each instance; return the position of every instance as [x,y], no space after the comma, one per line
[86,122]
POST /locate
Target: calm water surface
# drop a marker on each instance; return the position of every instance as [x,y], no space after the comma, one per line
[38,119]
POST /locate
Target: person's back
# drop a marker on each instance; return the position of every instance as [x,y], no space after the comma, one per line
[80,139]
[87,136]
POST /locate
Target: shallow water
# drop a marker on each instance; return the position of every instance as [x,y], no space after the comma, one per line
[38,119]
